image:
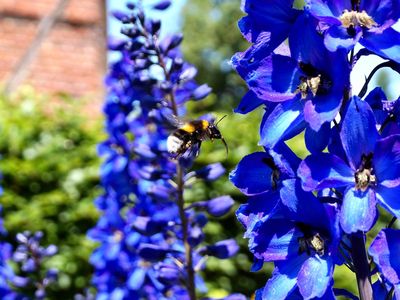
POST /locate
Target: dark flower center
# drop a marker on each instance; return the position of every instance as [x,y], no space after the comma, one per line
[312,82]
[314,243]
[352,19]
[365,175]
[275,172]
[316,85]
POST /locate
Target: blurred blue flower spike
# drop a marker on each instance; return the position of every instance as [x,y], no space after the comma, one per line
[150,237]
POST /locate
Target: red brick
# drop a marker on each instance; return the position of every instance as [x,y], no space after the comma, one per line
[72,58]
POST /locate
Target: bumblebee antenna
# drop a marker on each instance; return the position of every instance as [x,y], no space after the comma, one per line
[220,120]
[226,145]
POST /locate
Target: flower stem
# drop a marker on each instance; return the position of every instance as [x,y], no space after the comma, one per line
[188,248]
[361,265]
[190,283]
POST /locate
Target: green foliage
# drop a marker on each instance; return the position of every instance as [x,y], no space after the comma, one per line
[211,38]
[50,179]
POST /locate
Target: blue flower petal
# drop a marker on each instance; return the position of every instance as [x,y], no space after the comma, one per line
[136,279]
[319,171]
[273,16]
[385,13]
[389,199]
[219,206]
[257,208]
[284,279]
[312,52]
[322,109]
[296,199]
[385,253]
[387,161]
[385,44]
[273,78]
[285,159]
[284,122]
[316,141]
[358,133]
[275,239]
[358,211]
[337,37]
[249,102]
[253,174]
[327,9]
[314,277]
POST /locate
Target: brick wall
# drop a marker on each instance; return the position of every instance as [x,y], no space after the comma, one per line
[71,60]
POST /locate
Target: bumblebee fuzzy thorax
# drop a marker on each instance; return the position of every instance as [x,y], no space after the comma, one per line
[190,136]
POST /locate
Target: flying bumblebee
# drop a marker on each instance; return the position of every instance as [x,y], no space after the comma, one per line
[191,134]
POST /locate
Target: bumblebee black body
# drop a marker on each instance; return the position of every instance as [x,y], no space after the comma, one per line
[190,135]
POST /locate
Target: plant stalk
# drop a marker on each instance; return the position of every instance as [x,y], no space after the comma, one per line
[361,266]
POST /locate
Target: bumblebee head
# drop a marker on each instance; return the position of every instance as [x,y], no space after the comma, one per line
[214,133]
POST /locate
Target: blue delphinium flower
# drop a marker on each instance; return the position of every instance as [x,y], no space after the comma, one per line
[369,172]
[367,22]
[354,143]
[151,240]
[308,86]
[30,255]
[300,241]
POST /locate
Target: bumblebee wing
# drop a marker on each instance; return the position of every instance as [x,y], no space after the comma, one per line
[192,152]
[173,121]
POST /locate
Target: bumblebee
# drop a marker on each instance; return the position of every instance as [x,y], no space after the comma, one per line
[191,134]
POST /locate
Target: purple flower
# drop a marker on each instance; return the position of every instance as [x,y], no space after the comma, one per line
[369,172]
[385,253]
[222,249]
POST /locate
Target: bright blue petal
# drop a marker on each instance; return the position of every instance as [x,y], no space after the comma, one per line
[389,199]
[272,78]
[253,174]
[387,161]
[273,16]
[385,253]
[337,37]
[285,159]
[314,277]
[382,11]
[358,211]
[248,103]
[136,279]
[314,50]
[358,133]
[385,44]
[296,199]
[331,9]
[322,109]
[275,239]
[284,279]
[257,208]
[317,141]
[319,171]
[285,121]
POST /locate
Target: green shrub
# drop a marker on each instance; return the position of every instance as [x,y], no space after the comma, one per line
[49,170]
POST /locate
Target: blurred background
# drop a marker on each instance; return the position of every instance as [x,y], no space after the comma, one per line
[53,59]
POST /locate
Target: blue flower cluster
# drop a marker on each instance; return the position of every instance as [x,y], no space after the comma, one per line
[29,279]
[150,237]
[307,216]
